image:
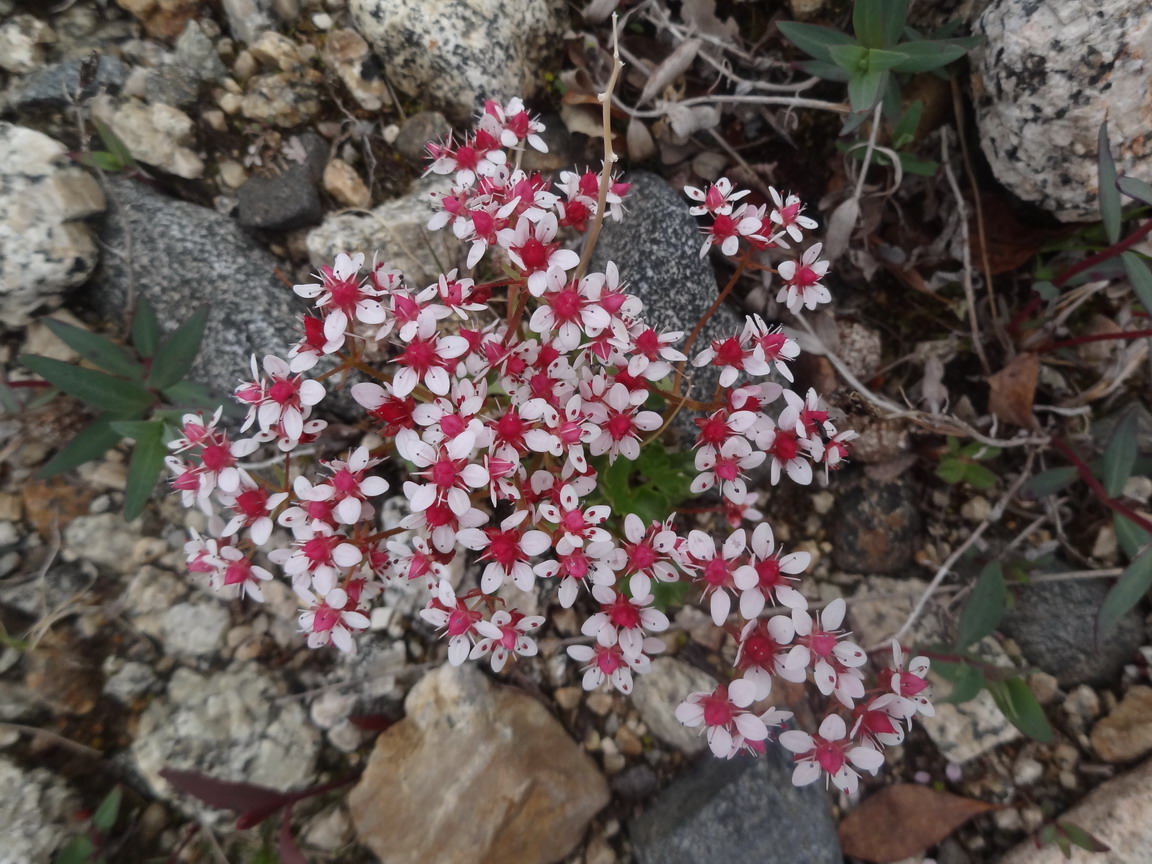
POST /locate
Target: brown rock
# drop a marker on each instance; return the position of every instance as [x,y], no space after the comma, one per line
[343,183]
[475,774]
[1126,733]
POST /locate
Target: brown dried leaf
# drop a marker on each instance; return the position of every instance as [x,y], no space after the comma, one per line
[903,820]
[1013,389]
[674,65]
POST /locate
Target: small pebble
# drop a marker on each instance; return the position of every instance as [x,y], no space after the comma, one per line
[600,703]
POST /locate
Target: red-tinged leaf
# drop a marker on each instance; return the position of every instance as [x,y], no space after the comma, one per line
[1013,388]
[901,821]
[286,844]
[372,722]
[246,798]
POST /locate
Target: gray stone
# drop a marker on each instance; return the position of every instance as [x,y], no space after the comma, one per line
[60,586]
[185,257]
[362,72]
[656,247]
[1054,623]
[1049,72]
[418,130]
[659,692]
[36,811]
[281,200]
[397,230]
[231,725]
[195,629]
[172,85]
[130,682]
[454,55]
[22,38]
[1117,813]
[104,539]
[155,134]
[877,526]
[44,248]
[196,53]
[58,85]
[283,99]
[493,753]
[247,19]
[739,811]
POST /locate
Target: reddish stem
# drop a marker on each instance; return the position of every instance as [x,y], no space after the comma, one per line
[1098,488]
[16,385]
[1104,254]
[1095,337]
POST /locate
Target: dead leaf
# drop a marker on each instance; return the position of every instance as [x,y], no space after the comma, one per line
[701,15]
[50,505]
[598,11]
[902,821]
[640,143]
[674,65]
[685,121]
[1013,389]
[841,224]
[1012,242]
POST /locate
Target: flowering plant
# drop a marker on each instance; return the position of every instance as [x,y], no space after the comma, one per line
[506,398]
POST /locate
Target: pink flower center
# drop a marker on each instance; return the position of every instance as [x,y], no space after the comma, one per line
[623,614]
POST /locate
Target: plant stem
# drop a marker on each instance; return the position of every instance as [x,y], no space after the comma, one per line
[1097,487]
[1104,254]
[1094,337]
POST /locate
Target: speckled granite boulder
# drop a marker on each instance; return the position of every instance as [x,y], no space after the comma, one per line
[185,257]
[44,249]
[36,811]
[453,55]
[1049,72]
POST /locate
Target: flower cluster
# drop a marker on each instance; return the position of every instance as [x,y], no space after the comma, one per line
[497,405]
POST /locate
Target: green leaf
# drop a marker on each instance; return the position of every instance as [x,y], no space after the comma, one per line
[190,394]
[145,467]
[1132,537]
[915,165]
[116,148]
[103,352]
[850,58]
[926,56]
[865,88]
[9,400]
[1050,482]
[105,816]
[813,39]
[1132,585]
[979,477]
[1120,455]
[114,395]
[966,679]
[880,59]
[985,607]
[1017,702]
[1079,837]
[175,357]
[905,131]
[1136,188]
[878,23]
[145,327]
[92,442]
[78,850]
[823,69]
[951,470]
[1139,276]
[1108,194]
[100,160]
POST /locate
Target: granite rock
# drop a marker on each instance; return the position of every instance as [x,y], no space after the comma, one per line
[185,257]
[57,85]
[247,19]
[36,812]
[659,692]
[231,725]
[1049,72]
[44,248]
[475,773]
[454,55]
[418,130]
[22,41]
[878,526]
[739,811]
[156,134]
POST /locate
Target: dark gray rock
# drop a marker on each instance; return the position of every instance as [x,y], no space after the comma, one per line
[184,257]
[1054,623]
[172,85]
[635,783]
[58,86]
[418,130]
[483,49]
[286,196]
[738,811]
[877,526]
[657,250]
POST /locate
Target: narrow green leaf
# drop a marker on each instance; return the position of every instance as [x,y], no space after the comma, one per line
[1140,277]
[98,389]
[190,394]
[813,39]
[966,679]
[926,56]
[1120,455]
[880,59]
[1132,585]
[145,327]
[1017,702]
[985,607]
[92,442]
[78,850]
[91,346]
[864,89]
[105,816]
[1050,482]
[175,357]
[144,469]
[1079,837]
[979,477]
[951,470]
[850,58]
[913,164]
[117,148]
[1107,193]
[824,69]
[1132,537]
[878,23]
[905,131]
[100,160]
[1136,188]
[9,400]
